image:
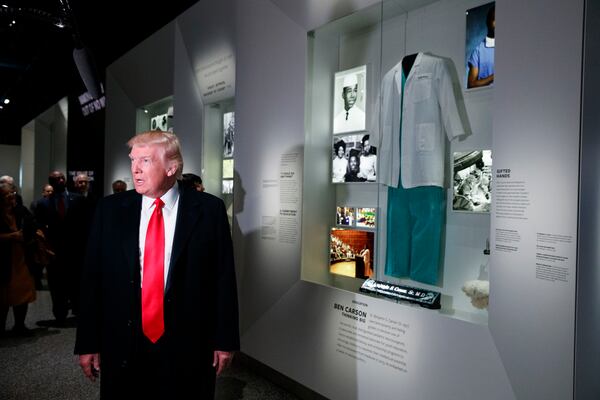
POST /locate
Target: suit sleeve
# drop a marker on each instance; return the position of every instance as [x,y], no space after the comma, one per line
[227,336]
[89,318]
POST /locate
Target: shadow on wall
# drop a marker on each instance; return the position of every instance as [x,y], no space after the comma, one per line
[267,260]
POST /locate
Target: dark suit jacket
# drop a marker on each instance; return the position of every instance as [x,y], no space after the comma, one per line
[200,301]
[59,231]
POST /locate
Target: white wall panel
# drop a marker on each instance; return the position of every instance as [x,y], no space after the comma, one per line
[536,136]
[271,64]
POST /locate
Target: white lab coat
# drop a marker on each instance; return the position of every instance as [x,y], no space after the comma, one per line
[429,110]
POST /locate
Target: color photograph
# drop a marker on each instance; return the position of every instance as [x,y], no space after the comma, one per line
[351,252]
[480,46]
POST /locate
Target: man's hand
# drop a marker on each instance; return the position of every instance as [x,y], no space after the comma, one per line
[222,360]
[90,364]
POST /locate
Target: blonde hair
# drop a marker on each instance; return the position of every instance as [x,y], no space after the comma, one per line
[167,140]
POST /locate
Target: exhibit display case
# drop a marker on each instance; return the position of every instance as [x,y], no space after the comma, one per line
[156,116]
[218,168]
[402,132]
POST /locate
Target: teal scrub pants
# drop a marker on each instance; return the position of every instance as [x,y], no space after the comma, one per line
[415,222]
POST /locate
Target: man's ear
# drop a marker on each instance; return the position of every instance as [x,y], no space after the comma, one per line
[172,170]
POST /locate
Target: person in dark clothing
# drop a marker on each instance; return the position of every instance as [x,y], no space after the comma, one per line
[59,215]
[17,286]
[159,311]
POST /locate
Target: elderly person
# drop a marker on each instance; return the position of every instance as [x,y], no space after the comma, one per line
[17,286]
[156,255]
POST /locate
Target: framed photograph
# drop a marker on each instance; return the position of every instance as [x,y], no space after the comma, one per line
[159,123]
[227,186]
[351,252]
[353,159]
[228,134]
[472,181]
[345,216]
[349,100]
[480,46]
[365,217]
[228,169]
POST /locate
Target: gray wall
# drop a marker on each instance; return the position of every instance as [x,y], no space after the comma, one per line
[138,78]
[43,149]
[10,159]
[271,63]
[195,38]
[587,356]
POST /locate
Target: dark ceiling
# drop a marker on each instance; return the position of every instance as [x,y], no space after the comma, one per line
[36,55]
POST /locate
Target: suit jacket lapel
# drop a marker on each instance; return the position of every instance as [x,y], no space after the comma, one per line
[187,214]
[131,211]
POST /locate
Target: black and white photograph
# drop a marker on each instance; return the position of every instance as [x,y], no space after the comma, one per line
[227,186]
[345,216]
[365,217]
[353,159]
[472,181]
[480,46]
[228,134]
[159,123]
[349,100]
[351,252]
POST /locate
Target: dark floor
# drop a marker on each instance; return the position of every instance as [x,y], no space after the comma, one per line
[42,366]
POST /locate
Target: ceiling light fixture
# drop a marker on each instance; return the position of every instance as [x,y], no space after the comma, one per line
[6,101]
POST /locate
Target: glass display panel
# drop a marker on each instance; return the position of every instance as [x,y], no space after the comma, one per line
[417,174]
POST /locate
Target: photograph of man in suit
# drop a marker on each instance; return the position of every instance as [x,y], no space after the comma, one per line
[159,313]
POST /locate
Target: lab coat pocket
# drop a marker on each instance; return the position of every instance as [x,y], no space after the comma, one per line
[421,88]
[425,137]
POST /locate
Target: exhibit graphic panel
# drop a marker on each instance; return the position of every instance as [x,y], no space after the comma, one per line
[349,99]
[472,181]
[480,46]
[366,217]
[228,134]
[351,252]
[354,159]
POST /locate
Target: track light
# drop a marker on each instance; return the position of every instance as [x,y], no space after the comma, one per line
[87,71]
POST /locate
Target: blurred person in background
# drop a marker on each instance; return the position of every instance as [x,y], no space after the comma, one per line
[17,286]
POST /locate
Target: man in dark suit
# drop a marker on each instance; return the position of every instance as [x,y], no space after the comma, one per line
[167,242]
[58,214]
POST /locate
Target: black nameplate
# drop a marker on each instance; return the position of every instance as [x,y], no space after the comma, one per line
[422,297]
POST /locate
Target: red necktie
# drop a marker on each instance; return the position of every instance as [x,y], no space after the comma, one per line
[153,282]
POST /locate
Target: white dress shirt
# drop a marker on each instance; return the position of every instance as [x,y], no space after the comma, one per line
[354,122]
[171,200]
[368,167]
[429,109]
[339,167]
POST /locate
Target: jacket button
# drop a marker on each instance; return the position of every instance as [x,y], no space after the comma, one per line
[129,323]
[124,364]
